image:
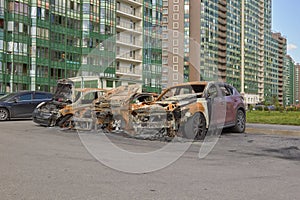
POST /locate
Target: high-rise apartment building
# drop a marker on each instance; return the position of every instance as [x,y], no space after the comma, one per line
[129,37]
[233,43]
[288,80]
[180,53]
[42,41]
[297,83]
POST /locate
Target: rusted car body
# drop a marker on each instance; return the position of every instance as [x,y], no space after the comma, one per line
[85,101]
[45,113]
[112,110]
[67,99]
[190,109]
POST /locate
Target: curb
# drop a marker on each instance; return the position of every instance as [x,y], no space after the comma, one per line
[272,132]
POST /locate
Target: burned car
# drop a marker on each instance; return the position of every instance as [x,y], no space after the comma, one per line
[87,97]
[45,114]
[60,109]
[189,109]
[112,110]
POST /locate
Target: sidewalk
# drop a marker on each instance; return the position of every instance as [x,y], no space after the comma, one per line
[273,129]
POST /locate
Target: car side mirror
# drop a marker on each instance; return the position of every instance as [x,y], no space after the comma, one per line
[208,95]
[15,100]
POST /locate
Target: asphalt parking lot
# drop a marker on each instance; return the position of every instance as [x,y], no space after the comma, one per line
[48,163]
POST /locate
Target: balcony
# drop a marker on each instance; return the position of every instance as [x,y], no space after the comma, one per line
[222,54]
[222,74]
[129,12]
[222,9]
[222,67]
[222,34]
[221,41]
[223,2]
[222,28]
[222,21]
[127,26]
[129,42]
[222,60]
[222,47]
[133,2]
[129,57]
[129,71]
[222,14]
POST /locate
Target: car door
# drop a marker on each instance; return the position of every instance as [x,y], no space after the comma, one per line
[22,106]
[216,105]
[229,101]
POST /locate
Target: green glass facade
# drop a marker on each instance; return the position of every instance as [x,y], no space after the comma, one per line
[289,79]
[208,42]
[45,40]
[233,57]
[152,46]
[254,55]
[186,59]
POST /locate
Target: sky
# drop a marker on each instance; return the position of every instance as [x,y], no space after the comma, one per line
[286,20]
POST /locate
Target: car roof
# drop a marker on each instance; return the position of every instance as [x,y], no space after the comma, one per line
[192,83]
[90,89]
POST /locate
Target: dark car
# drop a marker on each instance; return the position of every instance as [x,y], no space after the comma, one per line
[21,104]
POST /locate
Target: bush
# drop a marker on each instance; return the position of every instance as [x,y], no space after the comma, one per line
[250,107]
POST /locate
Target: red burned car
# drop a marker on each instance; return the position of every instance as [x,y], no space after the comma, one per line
[190,109]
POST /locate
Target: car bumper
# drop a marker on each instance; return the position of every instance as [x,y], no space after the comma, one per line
[43,119]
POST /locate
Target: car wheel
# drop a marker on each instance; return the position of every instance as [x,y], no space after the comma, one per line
[240,123]
[195,127]
[66,122]
[3,114]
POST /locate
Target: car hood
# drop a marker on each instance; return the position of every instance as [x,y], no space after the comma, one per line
[122,94]
[63,91]
[153,108]
[168,104]
[179,99]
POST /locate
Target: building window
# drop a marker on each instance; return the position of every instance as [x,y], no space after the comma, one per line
[175,50]
[10,26]
[176,8]
[175,16]
[109,84]
[175,68]
[175,42]
[175,34]
[175,25]
[72,5]
[175,59]
[175,76]
[118,65]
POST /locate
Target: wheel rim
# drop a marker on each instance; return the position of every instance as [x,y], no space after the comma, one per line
[198,125]
[3,114]
[241,120]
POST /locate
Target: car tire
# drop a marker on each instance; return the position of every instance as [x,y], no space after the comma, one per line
[240,122]
[195,127]
[4,114]
[66,122]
